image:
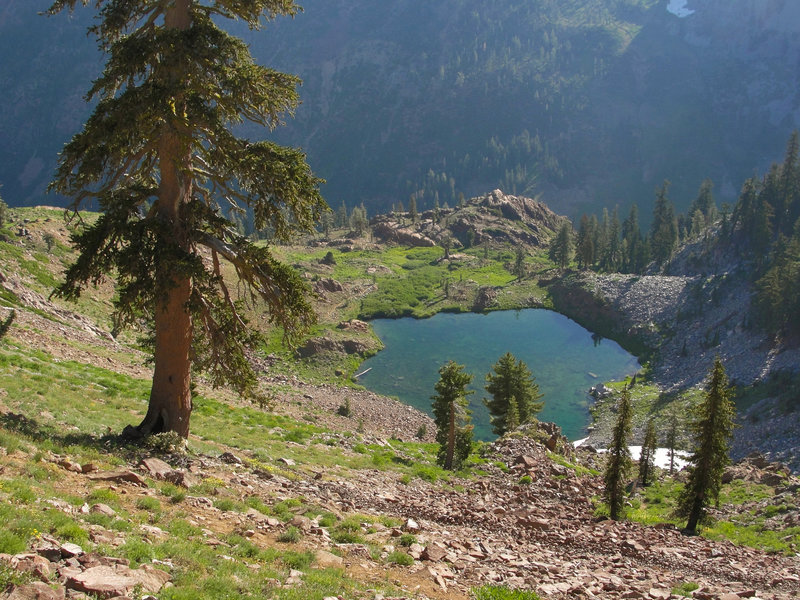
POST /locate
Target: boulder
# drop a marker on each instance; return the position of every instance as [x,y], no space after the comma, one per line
[120,476]
[37,590]
[156,468]
[328,560]
[103,509]
[433,553]
[36,565]
[327,285]
[119,580]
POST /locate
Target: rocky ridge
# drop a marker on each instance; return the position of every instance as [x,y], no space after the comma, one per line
[495,218]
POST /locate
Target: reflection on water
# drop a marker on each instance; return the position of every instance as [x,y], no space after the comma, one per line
[565,358]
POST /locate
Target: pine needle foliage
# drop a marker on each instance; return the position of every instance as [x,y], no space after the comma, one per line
[159,158]
[619,458]
[511,379]
[712,428]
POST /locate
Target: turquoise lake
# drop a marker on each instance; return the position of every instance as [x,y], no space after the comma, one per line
[565,359]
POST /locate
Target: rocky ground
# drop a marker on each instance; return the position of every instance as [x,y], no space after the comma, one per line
[692,320]
[540,535]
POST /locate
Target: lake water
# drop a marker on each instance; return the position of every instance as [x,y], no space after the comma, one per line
[565,359]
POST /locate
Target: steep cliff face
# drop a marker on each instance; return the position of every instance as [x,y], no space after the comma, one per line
[590,102]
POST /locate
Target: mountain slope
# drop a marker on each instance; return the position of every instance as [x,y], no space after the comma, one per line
[299,502]
[591,102]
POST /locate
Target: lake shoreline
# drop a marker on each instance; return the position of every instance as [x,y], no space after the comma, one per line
[565,358]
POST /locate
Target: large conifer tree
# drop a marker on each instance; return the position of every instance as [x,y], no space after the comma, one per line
[712,428]
[158,156]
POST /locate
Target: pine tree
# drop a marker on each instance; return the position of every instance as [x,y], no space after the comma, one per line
[159,157]
[511,380]
[519,263]
[619,458]
[341,216]
[672,440]
[712,429]
[664,229]
[561,250]
[358,220]
[453,429]
[584,247]
[788,209]
[635,249]
[512,418]
[446,242]
[704,203]
[648,456]
[613,250]
[326,222]
[412,209]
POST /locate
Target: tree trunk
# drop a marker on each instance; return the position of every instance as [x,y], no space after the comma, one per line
[451,438]
[694,516]
[170,397]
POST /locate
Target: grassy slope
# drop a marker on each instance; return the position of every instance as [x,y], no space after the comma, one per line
[56,407]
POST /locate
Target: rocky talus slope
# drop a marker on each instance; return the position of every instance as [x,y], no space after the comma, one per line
[701,309]
[540,535]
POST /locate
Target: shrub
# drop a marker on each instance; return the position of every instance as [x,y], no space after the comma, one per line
[298,560]
[137,551]
[327,519]
[685,589]
[10,543]
[407,539]
[494,592]
[6,324]
[400,558]
[103,495]
[167,442]
[173,492]
[72,532]
[291,535]
[427,472]
[10,577]
[344,409]
[149,504]
[225,504]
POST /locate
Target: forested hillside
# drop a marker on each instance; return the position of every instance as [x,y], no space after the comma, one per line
[589,102]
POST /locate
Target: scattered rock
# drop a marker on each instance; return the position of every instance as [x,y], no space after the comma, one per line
[327,560]
[120,476]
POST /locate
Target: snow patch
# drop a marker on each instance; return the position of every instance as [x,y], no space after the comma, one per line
[678,8]
[661,459]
